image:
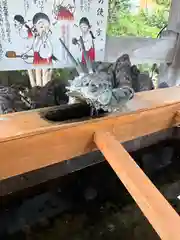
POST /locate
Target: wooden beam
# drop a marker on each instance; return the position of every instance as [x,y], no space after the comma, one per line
[39,176]
[155,207]
[29,142]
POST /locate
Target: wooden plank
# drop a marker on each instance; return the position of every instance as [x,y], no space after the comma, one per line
[155,207]
[39,176]
[27,123]
[33,143]
[140,50]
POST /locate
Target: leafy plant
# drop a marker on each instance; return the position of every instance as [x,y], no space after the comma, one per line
[144,23]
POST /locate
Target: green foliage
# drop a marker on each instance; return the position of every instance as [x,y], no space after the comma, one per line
[117,6]
[165,3]
[157,19]
[122,22]
[145,23]
[132,25]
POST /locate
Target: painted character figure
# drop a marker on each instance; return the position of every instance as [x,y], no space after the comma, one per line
[41,50]
[42,46]
[63,10]
[88,39]
[23,27]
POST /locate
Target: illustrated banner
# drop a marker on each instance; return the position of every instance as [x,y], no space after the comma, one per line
[30,31]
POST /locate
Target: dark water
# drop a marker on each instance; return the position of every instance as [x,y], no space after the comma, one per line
[91,204]
[74,112]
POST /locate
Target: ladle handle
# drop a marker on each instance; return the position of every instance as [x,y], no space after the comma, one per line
[155,207]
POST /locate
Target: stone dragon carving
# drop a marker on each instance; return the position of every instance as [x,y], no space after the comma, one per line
[103,86]
[96,86]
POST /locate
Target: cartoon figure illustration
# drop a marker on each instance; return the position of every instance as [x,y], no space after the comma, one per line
[42,47]
[23,28]
[63,10]
[88,39]
[41,51]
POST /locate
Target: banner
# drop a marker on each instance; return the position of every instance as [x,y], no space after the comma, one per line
[30,32]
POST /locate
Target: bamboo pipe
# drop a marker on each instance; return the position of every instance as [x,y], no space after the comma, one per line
[155,207]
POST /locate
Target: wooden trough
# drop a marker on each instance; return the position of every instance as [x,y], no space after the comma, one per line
[29,142]
[32,143]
